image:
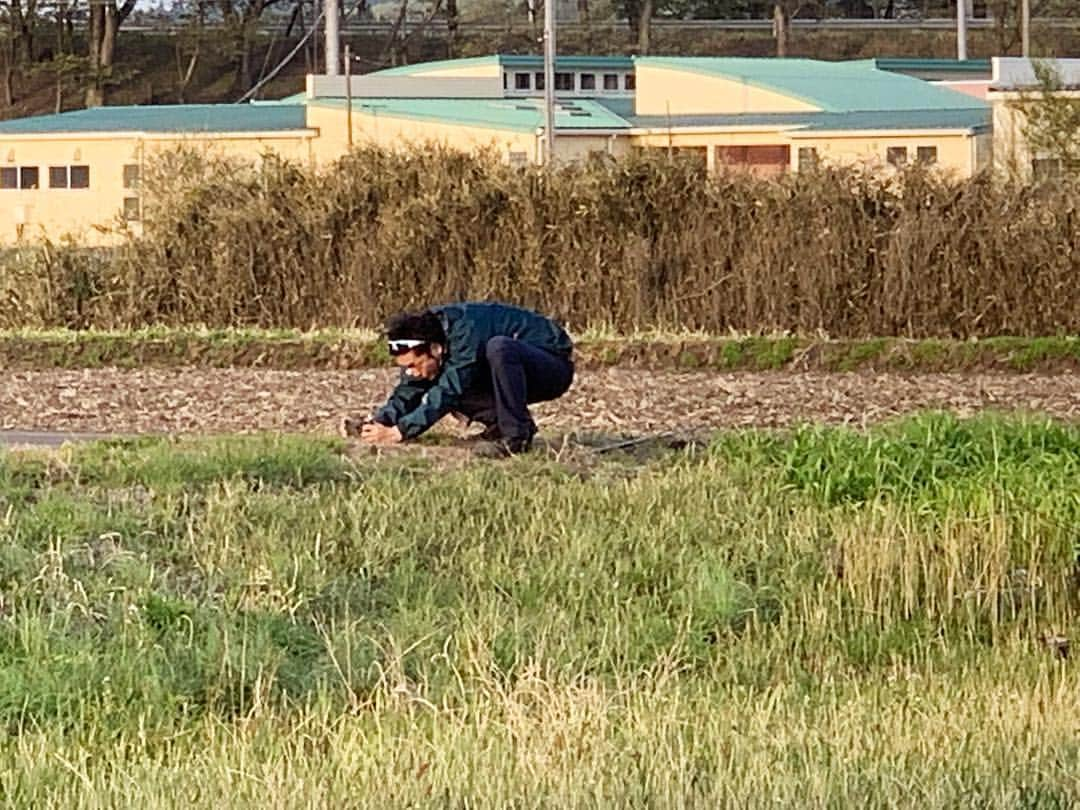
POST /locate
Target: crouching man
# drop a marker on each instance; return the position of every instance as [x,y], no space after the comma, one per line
[485,362]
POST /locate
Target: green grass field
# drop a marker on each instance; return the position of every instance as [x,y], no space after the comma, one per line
[813,618]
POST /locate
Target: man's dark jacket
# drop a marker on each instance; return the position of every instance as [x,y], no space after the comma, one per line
[416,405]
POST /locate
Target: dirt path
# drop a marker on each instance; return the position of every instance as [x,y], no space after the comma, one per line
[201,400]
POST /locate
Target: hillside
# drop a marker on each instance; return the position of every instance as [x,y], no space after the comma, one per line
[150,65]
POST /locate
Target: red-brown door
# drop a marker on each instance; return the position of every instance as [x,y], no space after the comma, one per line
[765,160]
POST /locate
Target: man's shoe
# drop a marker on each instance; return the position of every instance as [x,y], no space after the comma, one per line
[503,448]
[491,434]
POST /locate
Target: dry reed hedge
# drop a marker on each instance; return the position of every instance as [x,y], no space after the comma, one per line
[641,242]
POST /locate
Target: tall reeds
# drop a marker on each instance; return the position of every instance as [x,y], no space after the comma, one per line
[636,243]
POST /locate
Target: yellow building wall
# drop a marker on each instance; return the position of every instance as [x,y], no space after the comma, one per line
[385,130]
[87,215]
[956,153]
[663,91]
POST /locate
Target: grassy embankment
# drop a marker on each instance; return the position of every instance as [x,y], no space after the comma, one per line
[329,349]
[813,618]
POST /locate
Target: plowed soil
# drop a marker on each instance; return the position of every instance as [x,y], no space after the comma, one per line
[614,400]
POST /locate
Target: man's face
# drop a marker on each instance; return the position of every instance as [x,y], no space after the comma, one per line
[420,365]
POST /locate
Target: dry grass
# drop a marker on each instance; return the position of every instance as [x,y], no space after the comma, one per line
[636,244]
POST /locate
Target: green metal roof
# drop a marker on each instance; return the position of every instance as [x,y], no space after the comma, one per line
[832,86]
[598,63]
[516,115]
[961,67]
[973,120]
[170,118]
[511,61]
[421,68]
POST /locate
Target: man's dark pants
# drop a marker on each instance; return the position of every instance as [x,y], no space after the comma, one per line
[520,374]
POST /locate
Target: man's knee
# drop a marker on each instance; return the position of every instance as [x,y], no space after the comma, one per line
[500,349]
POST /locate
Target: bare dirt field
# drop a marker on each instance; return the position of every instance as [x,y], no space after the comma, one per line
[614,400]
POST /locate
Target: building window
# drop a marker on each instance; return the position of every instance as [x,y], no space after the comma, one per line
[896,156]
[132,211]
[1043,168]
[69,177]
[611,81]
[515,158]
[131,175]
[629,82]
[808,158]
[25,177]
[564,81]
[926,155]
[521,81]
[540,83]
[588,81]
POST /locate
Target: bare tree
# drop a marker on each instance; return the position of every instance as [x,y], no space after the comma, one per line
[783,12]
[64,17]
[105,20]
[7,77]
[189,42]
[242,20]
[22,19]
[452,20]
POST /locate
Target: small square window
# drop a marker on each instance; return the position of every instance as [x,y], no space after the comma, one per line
[131,175]
[611,81]
[1041,168]
[588,81]
[926,155]
[808,158]
[80,177]
[521,81]
[896,156]
[9,177]
[629,82]
[131,209]
[517,158]
[564,81]
[58,177]
[540,83]
[28,177]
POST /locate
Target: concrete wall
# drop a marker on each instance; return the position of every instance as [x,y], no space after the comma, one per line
[1011,152]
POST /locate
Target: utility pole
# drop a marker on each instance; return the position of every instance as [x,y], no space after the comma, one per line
[333,37]
[549,82]
[1025,28]
[348,93]
[961,30]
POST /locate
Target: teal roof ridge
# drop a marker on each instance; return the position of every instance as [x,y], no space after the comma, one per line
[511,114]
[846,86]
[419,68]
[165,118]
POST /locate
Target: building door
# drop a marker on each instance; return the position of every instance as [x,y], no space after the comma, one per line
[765,161]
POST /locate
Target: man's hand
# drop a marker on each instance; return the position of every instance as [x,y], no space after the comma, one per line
[374,433]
